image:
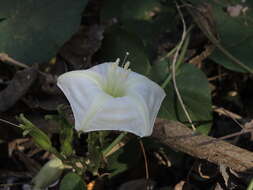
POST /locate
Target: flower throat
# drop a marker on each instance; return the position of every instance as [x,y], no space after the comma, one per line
[115,85]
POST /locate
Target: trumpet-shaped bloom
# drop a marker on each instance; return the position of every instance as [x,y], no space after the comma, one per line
[110,97]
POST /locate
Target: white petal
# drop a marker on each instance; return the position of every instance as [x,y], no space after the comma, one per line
[80,88]
[119,114]
[102,69]
[150,93]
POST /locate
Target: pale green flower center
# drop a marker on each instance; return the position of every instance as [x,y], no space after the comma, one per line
[115,85]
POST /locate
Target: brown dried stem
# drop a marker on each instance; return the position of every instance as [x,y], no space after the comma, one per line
[181,138]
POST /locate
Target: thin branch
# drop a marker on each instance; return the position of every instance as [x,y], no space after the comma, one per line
[145,159]
[8,122]
[6,58]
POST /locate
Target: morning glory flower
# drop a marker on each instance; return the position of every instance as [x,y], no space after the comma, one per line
[110,97]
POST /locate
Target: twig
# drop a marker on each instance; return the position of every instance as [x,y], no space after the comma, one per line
[145,159]
[223,111]
[181,138]
[6,58]
[236,134]
[8,122]
[113,144]
[217,77]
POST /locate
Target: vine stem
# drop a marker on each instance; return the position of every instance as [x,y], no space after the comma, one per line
[114,142]
[185,44]
[177,60]
[184,35]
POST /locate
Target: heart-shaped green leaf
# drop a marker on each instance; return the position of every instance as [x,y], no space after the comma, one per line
[159,71]
[194,90]
[34,30]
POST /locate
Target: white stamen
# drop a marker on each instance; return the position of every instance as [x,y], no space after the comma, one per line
[125,58]
[117,77]
[126,66]
[117,61]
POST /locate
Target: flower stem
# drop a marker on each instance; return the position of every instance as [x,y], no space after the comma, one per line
[115,142]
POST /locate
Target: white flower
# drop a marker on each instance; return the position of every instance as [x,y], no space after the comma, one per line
[109,97]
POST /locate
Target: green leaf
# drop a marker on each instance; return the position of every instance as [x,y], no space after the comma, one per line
[72,181]
[126,9]
[117,42]
[34,30]
[193,87]
[145,18]
[235,33]
[159,71]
